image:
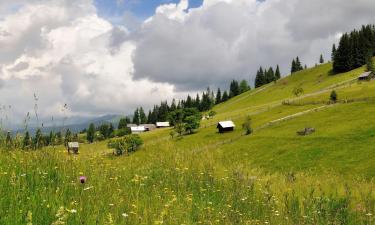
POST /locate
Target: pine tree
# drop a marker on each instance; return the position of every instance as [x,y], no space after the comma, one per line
[38,139]
[173,105]
[197,102]
[234,89]
[277,73]
[333,52]
[218,96]
[270,75]
[370,64]
[260,78]
[111,130]
[293,68]
[298,64]
[68,137]
[225,96]
[244,86]
[189,102]
[26,141]
[142,116]
[8,141]
[321,60]
[136,118]
[122,124]
[51,138]
[91,133]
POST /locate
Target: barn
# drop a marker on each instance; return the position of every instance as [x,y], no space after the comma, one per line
[73,146]
[149,127]
[225,126]
[162,124]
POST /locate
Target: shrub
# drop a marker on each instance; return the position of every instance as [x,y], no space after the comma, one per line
[127,144]
[247,126]
[333,96]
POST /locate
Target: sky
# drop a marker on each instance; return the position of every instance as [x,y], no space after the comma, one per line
[102,57]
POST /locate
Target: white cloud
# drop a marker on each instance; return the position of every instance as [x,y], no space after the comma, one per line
[225,39]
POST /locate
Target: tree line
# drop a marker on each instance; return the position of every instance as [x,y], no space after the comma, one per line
[266,76]
[355,49]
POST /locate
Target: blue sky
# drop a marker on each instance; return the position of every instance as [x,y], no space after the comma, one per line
[141,9]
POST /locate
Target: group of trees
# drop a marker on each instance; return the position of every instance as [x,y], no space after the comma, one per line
[203,102]
[355,49]
[296,65]
[107,130]
[39,140]
[267,76]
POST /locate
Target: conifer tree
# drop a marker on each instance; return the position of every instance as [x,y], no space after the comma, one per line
[142,116]
[136,118]
[321,59]
[277,73]
[26,141]
[91,133]
[225,96]
[293,68]
[333,52]
[244,86]
[218,96]
[234,89]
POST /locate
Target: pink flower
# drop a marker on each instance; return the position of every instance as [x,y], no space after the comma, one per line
[82,179]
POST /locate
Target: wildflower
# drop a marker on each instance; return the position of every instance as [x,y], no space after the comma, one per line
[125,215]
[73,211]
[82,179]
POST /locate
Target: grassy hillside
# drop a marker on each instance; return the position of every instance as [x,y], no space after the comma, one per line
[270,177]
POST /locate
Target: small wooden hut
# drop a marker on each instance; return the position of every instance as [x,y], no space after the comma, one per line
[366,76]
[73,147]
[225,126]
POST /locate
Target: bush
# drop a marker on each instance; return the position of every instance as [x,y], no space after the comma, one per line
[247,126]
[122,132]
[126,145]
[333,96]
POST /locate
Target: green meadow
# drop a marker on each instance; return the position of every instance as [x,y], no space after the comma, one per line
[272,176]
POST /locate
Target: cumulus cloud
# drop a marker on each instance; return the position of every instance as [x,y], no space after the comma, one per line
[225,39]
[65,53]
[64,57]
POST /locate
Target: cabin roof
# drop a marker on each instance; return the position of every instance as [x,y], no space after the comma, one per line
[138,128]
[162,124]
[73,144]
[364,75]
[226,124]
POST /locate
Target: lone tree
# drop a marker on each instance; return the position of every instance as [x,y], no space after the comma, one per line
[91,133]
[247,126]
[321,60]
[333,96]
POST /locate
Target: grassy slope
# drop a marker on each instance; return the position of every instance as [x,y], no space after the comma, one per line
[272,176]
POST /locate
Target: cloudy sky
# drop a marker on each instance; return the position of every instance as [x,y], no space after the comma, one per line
[110,56]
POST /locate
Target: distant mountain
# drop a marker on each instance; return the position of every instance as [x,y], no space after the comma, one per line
[75,124]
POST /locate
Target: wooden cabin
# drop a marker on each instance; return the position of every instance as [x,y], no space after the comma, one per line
[225,126]
[149,127]
[73,147]
[366,76]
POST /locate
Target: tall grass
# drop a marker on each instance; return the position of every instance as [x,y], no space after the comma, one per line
[164,185]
